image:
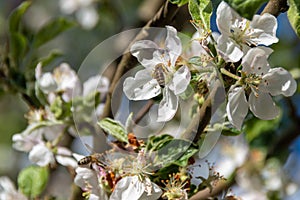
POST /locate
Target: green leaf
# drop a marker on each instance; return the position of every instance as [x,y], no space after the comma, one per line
[201,10]
[187,93]
[51,30]
[50,58]
[114,128]
[196,60]
[155,142]
[246,8]
[255,127]
[176,152]
[294,15]
[18,45]
[179,2]
[230,131]
[33,180]
[60,108]
[16,16]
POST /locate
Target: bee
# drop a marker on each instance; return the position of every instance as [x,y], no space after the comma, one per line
[89,160]
[159,74]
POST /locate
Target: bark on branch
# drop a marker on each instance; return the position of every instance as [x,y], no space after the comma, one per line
[275,7]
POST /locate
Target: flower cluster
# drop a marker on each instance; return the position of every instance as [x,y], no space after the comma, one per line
[242,59]
[175,74]
[61,91]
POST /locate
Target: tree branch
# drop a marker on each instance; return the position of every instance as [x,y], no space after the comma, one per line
[275,7]
[202,118]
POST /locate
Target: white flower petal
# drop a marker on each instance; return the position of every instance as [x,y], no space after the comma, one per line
[87,17]
[128,188]
[21,143]
[47,83]
[64,157]
[41,155]
[95,83]
[262,106]
[279,81]
[180,80]
[266,25]
[141,87]
[67,81]
[228,49]
[173,44]
[237,107]
[84,176]
[155,193]
[255,61]
[6,185]
[168,106]
[225,16]
[66,161]
[144,50]
[8,190]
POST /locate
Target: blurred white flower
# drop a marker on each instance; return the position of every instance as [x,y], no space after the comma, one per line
[238,34]
[96,84]
[32,140]
[160,74]
[63,80]
[8,190]
[262,81]
[85,11]
[41,155]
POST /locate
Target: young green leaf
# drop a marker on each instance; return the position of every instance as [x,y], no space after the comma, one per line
[50,58]
[179,2]
[175,152]
[156,142]
[18,45]
[201,10]
[16,16]
[51,30]
[246,8]
[114,128]
[32,180]
[294,15]
[230,131]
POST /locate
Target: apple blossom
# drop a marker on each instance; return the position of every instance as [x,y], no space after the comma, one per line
[160,75]
[262,82]
[87,180]
[238,34]
[63,79]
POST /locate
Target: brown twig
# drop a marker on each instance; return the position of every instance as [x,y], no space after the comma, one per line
[143,111]
[202,118]
[275,7]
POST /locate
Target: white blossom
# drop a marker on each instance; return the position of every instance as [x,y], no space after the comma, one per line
[85,11]
[159,62]
[237,33]
[8,190]
[63,79]
[133,188]
[262,82]
[41,155]
[88,180]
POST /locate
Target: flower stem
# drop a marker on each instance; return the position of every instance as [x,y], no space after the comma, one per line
[227,73]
